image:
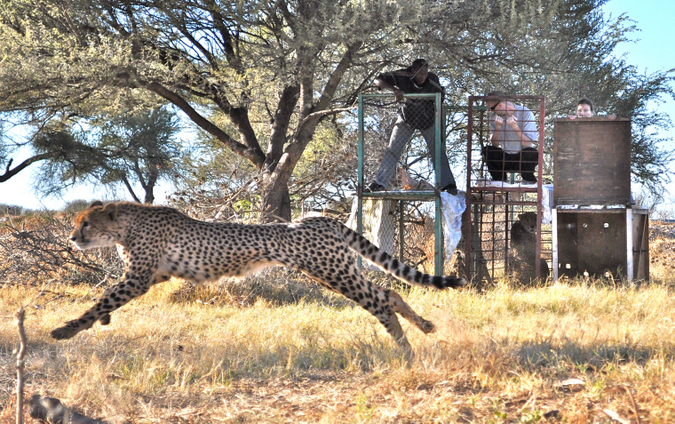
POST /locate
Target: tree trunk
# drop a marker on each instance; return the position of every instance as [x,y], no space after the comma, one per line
[149,197]
[276,202]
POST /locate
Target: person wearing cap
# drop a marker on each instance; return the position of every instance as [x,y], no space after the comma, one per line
[414,114]
[514,131]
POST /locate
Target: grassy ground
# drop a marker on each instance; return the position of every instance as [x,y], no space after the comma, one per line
[567,353]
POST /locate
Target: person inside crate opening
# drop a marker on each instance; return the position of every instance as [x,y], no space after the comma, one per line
[585,110]
[414,114]
[514,131]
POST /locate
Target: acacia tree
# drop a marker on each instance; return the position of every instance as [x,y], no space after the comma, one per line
[129,149]
[262,76]
[210,59]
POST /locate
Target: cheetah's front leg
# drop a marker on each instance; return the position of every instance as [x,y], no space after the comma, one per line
[131,286]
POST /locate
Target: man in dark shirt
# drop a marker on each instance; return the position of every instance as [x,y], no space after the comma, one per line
[414,114]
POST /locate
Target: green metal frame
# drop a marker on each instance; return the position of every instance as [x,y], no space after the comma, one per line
[407,195]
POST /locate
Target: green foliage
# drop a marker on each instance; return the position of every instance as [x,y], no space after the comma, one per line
[125,150]
[75,206]
[264,79]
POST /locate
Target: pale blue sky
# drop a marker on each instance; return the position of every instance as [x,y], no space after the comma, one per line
[653,51]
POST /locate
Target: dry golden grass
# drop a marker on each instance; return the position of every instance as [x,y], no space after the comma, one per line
[214,355]
[274,349]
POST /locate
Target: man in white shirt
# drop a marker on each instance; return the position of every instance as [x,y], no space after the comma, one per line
[514,131]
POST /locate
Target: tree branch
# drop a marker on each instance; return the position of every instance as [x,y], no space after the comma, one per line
[130,189]
[256,156]
[336,76]
[9,173]
[20,353]
[322,113]
[282,120]
[228,47]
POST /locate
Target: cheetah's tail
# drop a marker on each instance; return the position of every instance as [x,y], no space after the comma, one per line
[393,266]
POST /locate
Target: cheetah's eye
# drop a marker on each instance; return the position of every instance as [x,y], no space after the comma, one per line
[85,224]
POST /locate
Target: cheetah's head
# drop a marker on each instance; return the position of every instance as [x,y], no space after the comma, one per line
[97,226]
[528,221]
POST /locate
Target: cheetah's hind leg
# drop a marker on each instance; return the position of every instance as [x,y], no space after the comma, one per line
[400,306]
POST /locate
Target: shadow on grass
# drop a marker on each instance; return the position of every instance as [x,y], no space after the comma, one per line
[546,354]
[276,286]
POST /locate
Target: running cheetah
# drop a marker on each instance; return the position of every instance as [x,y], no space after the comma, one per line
[157,243]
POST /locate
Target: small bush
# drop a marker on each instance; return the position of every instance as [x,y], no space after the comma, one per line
[35,249]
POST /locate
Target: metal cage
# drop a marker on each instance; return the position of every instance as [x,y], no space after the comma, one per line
[494,206]
[376,115]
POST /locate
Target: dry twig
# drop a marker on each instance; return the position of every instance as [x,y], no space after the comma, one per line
[20,353]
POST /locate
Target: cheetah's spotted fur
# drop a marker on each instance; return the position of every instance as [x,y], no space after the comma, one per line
[157,243]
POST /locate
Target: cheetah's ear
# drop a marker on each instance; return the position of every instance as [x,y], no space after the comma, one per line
[95,203]
[111,210]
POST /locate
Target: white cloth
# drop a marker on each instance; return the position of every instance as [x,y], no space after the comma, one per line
[453,207]
[546,203]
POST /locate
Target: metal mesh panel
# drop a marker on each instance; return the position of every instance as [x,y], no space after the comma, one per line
[405,229]
[392,142]
[493,252]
